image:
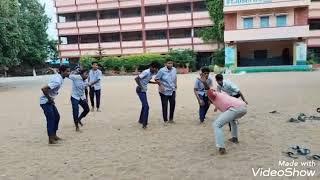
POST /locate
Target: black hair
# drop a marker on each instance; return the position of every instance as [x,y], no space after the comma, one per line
[155,64]
[219,77]
[82,71]
[205,70]
[168,59]
[94,62]
[63,68]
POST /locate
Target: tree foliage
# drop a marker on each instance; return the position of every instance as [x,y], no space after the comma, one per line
[216,32]
[9,33]
[23,38]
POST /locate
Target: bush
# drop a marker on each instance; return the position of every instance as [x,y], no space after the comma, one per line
[183,57]
[86,61]
[312,58]
[219,57]
[130,63]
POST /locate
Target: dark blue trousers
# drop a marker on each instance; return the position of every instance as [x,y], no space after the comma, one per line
[204,109]
[96,93]
[75,109]
[52,117]
[144,114]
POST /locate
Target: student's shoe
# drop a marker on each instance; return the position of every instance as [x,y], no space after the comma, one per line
[98,110]
[52,140]
[165,123]
[222,151]
[56,138]
[80,123]
[144,127]
[171,122]
[234,140]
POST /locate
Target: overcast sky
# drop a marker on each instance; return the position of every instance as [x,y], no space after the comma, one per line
[50,11]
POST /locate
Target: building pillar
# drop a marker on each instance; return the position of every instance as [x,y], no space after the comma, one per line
[300,53]
[230,55]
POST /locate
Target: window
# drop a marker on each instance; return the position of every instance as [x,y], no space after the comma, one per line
[281,20]
[199,6]
[260,54]
[180,33]
[68,39]
[90,38]
[131,12]
[264,21]
[248,23]
[109,14]
[314,24]
[132,36]
[87,16]
[110,37]
[67,17]
[159,34]
[179,8]
[155,10]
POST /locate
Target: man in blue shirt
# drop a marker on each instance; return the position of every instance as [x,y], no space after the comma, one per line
[47,103]
[78,97]
[167,81]
[202,85]
[142,81]
[95,87]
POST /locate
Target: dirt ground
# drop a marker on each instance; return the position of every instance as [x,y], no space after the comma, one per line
[113,146]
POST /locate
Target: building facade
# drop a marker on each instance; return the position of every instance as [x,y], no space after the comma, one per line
[314,26]
[266,32]
[123,27]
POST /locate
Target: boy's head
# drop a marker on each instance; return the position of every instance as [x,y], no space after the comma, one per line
[84,74]
[219,79]
[169,63]
[94,65]
[64,71]
[205,71]
[154,67]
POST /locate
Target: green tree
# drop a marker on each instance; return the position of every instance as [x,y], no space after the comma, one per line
[34,24]
[10,34]
[216,32]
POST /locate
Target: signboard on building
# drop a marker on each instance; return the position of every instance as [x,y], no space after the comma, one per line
[244,2]
[301,53]
[230,55]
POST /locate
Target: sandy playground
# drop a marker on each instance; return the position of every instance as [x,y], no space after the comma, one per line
[113,146]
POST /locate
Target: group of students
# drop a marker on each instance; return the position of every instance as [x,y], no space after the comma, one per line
[225,98]
[81,80]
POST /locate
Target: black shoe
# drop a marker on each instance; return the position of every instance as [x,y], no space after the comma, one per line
[234,140]
[144,127]
[222,151]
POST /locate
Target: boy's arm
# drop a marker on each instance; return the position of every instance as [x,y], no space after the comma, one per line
[195,90]
[242,97]
[99,78]
[45,91]
[137,79]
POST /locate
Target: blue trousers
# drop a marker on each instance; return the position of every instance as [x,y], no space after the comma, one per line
[144,114]
[203,109]
[52,117]
[96,93]
[75,109]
